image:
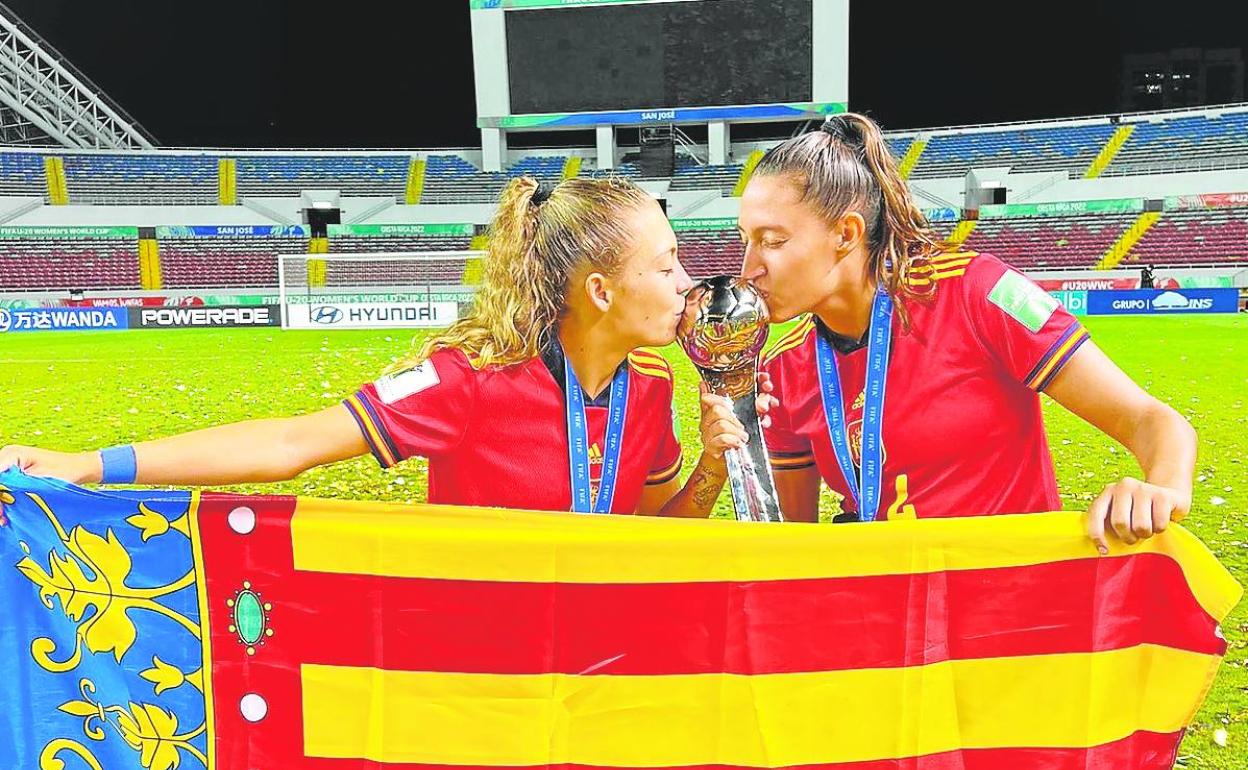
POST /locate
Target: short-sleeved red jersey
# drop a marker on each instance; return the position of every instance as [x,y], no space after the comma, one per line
[497,436]
[962,433]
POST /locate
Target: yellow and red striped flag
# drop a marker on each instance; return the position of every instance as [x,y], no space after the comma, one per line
[345,636]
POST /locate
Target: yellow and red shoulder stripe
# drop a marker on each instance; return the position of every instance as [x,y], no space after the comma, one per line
[650,362]
[939,268]
[791,339]
[1056,357]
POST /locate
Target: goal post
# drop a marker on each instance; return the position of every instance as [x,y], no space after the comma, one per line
[384,290]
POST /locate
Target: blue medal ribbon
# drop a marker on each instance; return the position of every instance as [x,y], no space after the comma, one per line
[865,490]
[578,441]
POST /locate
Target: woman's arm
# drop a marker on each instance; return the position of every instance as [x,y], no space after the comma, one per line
[696,499]
[720,431]
[798,490]
[1093,387]
[252,451]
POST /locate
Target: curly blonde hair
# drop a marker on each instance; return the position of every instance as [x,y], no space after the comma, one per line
[536,249]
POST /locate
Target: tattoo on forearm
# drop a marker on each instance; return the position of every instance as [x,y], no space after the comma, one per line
[705,487]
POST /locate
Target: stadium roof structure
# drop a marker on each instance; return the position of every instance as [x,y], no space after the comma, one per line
[45,100]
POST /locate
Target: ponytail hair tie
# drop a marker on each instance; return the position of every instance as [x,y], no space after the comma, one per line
[542,193]
[842,130]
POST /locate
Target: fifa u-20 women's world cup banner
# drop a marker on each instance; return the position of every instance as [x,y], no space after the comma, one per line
[168,629]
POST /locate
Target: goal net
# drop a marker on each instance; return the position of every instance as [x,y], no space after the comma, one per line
[399,290]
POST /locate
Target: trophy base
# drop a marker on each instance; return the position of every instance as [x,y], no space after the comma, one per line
[754,495]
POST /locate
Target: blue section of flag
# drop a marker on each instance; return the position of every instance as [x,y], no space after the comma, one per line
[92,615]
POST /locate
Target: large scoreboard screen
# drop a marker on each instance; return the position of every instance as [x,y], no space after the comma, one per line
[660,55]
[551,63]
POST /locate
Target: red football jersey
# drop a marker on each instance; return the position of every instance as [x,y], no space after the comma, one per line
[962,431]
[497,436]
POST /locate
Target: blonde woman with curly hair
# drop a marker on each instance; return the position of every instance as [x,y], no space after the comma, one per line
[543,397]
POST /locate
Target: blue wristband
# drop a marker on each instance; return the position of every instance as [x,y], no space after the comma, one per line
[119,465]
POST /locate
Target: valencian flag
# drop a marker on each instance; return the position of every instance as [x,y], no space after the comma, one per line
[159,630]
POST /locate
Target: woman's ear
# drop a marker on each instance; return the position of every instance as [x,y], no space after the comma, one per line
[850,230]
[599,291]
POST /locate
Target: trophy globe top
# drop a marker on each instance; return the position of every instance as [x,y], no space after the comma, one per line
[725,324]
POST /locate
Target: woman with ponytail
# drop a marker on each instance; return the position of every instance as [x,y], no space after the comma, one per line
[911,383]
[543,396]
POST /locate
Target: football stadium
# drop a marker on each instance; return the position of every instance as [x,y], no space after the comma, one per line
[149,290]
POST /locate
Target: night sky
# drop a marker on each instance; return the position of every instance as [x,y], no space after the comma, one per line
[279,73]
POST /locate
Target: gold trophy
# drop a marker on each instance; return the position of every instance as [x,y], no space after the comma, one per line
[723,331]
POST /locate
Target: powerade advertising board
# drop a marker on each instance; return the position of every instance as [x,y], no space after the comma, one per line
[204,317]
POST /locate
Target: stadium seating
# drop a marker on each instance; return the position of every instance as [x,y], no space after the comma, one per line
[348,174]
[351,244]
[627,170]
[401,272]
[21,173]
[1177,144]
[451,179]
[944,229]
[43,264]
[1159,143]
[1216,237]
[147,178]
[1050,242]
[691,176]
[1059,148]
[549,169]
[899,145]
[196,263]
[704,253]
[397,275]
